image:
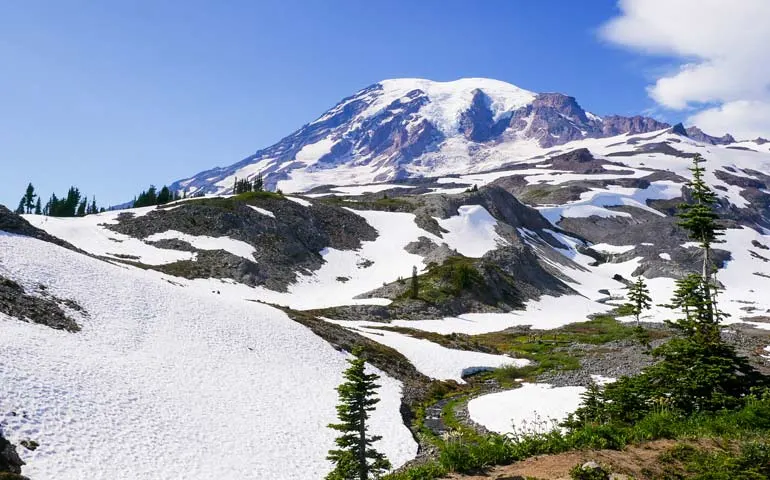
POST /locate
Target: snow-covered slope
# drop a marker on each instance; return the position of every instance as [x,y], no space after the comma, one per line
[168,380]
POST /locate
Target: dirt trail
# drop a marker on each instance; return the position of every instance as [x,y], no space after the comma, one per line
[637,461]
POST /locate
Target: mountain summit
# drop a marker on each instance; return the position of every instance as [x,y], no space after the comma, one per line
[409,127]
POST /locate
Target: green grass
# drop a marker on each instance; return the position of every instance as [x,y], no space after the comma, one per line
[230,203]
[749,426]
[386,204]
[445,282]
[747,460]
[547,350]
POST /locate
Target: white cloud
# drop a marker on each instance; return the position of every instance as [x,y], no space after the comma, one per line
[753,117]
[723,52]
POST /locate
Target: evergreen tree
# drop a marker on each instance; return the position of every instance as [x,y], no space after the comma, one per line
[21,208]
[164,196]
[355,458]
[147,198]
[29,198]
[81,212]
[638,298]
[51,206]
[242,186]
[697,371]
[259,183]
[38,207]
[92,208]
[70,206]
[699,217]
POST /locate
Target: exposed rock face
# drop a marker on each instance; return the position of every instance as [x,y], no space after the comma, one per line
[10,462]
[477,123]
[697,134]
[616,125]
[555,119]
[552,119]
[285,245]
[41,308]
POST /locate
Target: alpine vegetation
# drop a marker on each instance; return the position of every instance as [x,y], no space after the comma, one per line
[697,371]
[638,298]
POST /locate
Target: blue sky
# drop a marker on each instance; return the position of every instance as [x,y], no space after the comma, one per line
[113,96]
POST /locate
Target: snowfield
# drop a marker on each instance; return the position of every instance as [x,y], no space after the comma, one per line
[168,381]
[531,408]
[89,234]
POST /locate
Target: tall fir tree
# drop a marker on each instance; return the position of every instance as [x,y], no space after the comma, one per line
[38,207]
[82,206]
[638,298]
[29,198]
[22,206]
[259,183]
[71,202]
[355,458]
[164,196]
[699,217]
[92,208]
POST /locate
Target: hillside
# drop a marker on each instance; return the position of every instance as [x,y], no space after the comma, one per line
[205,337]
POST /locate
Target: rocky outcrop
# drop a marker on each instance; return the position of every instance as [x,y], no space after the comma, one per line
[613,125]
[13,223]
[555,119]
[500,281]
[10,462]
[552,119]
[41,308]
[697,134]
[478,123]
[286,244]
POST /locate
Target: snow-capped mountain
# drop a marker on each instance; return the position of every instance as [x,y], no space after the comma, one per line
[405,128]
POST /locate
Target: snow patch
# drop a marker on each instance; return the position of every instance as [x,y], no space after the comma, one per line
[301,201]
[435,360]
[262,211]
[203,242]
[612,249]
[533,407]
[473,232]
